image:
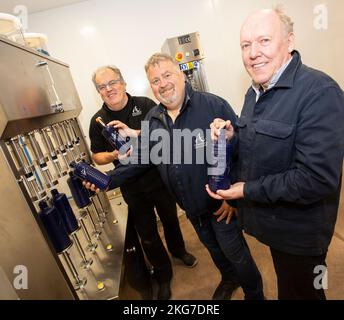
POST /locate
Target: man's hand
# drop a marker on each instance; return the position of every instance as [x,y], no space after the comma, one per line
[225,211]
[115,154]
[123,129]
[236,191]
[126,155]
[89,185]
[218,124]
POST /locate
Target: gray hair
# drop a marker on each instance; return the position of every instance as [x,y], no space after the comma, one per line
[109,67]
[156,58]
[285,19]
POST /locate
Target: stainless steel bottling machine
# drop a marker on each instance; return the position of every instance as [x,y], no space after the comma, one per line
[39,136]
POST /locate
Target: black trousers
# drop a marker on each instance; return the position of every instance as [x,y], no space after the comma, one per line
[299,277]
[141,212]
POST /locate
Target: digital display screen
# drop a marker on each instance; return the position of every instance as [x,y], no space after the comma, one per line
[184,39]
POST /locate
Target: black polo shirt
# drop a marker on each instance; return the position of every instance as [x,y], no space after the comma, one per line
[132,114]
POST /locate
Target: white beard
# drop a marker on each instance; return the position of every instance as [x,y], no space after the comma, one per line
[168,101]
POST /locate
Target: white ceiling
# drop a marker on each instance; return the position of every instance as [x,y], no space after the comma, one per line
[7,6]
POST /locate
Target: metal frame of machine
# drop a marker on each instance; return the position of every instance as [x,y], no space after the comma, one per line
[39,136]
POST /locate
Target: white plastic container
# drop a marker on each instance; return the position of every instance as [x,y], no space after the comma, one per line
[37,41]
[11,28]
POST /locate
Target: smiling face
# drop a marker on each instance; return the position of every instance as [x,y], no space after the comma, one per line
[111,89]
[266,45]
[167,83]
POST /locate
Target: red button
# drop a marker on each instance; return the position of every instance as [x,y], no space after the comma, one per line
[179,56]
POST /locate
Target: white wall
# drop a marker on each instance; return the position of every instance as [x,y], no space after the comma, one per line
[125,33]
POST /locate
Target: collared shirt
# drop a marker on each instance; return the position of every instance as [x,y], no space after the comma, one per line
[273,80]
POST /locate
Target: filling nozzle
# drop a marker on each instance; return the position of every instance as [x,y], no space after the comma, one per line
[75,139]
[52,153]
[69,144]
[49,181]
[27,170]
[59,143]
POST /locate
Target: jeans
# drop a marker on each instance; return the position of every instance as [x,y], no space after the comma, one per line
[230,253]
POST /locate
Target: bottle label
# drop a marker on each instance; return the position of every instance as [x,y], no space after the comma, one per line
[219,173]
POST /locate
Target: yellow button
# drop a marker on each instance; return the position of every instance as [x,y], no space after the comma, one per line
[100,286]
[109,247]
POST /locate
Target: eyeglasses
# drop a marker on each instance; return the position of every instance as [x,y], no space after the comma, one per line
[110,84]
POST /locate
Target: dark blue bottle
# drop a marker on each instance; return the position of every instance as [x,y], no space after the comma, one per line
[54,226]
[90,193]
[86,172]
[114,138]
[219,179]
[63,207]
[79,192]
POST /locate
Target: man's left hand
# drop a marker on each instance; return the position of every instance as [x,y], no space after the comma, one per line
[225,211]
[236,191]
[91,186]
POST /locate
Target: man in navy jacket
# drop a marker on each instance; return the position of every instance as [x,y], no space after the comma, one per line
[290,153]
[182,110]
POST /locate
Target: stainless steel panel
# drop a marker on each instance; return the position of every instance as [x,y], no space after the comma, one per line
[187,44]
[29,85]
[22,243]
[188,52]
[25,106]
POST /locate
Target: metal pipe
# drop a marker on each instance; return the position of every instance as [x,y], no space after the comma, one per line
[59,142]
[75,139]
[85,263]
[52,153]
[90,245]
[41,161]
[69,145]
[78,283]
[96,233]
[27,171]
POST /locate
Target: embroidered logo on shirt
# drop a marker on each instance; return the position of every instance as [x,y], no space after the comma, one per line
[200,142]
[136,111]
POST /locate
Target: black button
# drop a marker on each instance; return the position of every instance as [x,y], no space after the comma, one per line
[196,52]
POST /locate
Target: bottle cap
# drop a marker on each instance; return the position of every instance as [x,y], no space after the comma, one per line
[42,204]
[100,121]
[72,164]
[54,192]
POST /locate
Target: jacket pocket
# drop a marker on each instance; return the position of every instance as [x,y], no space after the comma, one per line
[241,122]
[274,129]
[273,145]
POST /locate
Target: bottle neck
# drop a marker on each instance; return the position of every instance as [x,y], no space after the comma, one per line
[101,122]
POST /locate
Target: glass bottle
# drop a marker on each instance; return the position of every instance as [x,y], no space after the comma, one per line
[219,179]
[113,136]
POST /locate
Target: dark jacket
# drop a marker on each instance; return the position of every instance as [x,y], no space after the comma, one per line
[291,144]
[185,181]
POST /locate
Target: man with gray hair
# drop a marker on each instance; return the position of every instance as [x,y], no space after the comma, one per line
[147,191]
[290,142]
